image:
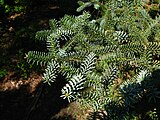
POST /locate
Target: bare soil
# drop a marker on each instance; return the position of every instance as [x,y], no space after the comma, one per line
[29,99]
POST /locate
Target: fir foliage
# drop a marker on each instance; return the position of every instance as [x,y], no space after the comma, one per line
[107,67]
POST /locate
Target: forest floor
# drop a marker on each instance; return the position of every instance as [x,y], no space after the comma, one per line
[23,96]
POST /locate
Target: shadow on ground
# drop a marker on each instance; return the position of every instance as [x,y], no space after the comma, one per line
[43,104]
[17,32]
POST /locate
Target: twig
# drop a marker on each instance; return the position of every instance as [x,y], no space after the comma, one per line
[34,103]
